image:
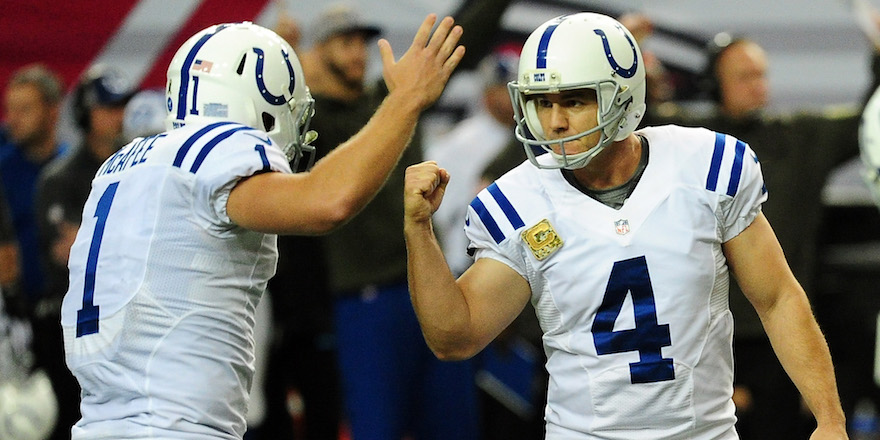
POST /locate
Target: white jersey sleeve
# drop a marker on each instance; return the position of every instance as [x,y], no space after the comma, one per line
[490,223]
[248,152]
[734,162]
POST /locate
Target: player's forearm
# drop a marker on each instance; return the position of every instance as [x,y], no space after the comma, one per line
[352,174]
[436,298]
[803,352]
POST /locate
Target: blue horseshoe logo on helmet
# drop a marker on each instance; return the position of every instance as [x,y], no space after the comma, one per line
[626,73]
[261,85]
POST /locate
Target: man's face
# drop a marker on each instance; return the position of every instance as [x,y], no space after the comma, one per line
[742,79]
[29,119]
[345,55]
[106,122]
[566,114]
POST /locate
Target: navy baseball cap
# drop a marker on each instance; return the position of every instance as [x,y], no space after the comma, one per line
[101,86]
[112,89]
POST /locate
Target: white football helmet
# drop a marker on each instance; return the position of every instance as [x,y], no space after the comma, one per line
[583,50]
[869,143]
[29,408]
[244,73]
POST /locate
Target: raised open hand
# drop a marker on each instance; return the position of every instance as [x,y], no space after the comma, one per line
[424,69]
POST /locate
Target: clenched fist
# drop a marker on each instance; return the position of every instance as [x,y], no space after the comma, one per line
[423,191]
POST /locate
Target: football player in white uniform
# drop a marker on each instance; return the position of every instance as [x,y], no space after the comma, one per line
[623,242]
[178,236]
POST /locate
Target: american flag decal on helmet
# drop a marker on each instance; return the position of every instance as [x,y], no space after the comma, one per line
[202,66]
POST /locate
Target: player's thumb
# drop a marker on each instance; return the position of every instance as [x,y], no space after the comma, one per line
[387,55]
[386,52]
[444,178]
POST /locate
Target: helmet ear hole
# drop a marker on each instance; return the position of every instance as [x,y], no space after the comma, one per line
[532,121]
[240,68]
[268,122]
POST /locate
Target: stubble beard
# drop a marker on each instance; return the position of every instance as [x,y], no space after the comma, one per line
[341,75]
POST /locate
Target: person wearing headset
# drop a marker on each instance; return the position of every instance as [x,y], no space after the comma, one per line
[798,152]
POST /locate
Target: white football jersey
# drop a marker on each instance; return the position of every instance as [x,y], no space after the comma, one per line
[158,319]
[633,301]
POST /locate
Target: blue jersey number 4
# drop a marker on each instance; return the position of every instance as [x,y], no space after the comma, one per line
[648,337]
[87,316]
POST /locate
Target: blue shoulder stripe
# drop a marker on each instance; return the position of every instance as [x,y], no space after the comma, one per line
[736,170]
[213,143]
[506,207]
[487,220]
[717,155]
[181,153]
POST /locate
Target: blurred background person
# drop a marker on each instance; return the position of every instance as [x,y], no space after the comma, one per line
[31,105]
[288,27]
[28,407]
[144,115]
[660,86]
[304,357]
[9,264]
[391,383]
[798,151]
[32,101]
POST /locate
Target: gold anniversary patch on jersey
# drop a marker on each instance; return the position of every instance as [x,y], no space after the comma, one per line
[542,239]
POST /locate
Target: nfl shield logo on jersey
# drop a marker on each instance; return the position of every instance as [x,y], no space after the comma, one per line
[621,226]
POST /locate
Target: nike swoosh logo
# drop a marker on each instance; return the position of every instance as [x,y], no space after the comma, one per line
[267,140]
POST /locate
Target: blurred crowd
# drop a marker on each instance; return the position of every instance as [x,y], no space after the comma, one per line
[340,353]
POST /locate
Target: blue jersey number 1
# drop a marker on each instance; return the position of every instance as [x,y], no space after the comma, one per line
[87,316]
[631,276]
[261,149]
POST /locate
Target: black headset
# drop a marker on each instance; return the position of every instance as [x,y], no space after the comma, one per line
[99,85]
